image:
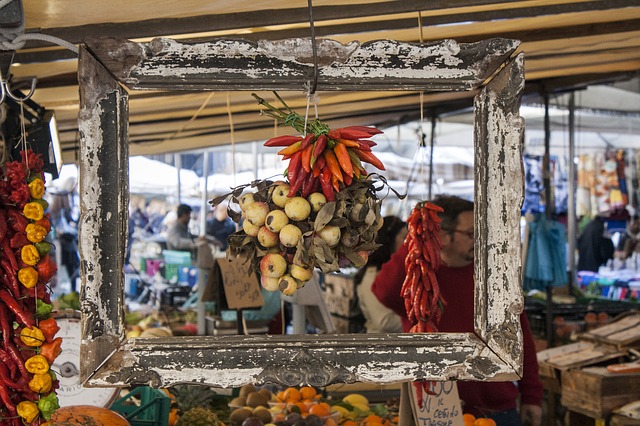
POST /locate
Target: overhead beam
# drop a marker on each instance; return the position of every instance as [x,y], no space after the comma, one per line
[260,19]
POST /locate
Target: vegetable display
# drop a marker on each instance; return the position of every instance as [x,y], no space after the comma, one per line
[29,345]
[324,212]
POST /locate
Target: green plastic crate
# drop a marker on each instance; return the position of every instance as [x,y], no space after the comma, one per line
[152,409]
[176,257]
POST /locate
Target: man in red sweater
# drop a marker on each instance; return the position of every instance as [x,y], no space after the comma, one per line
[498,400]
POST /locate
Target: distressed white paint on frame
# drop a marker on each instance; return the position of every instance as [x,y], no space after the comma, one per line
[242,359]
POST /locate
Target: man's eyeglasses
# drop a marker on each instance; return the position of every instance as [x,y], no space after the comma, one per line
[469,234]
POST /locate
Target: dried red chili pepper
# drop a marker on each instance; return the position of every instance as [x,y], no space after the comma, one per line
[17,220]
[17,358]
[295,186]
[6,398]
[9,277]
[319,146]
[307,141]
[46,268]
[13,305]
[294,167]
[3,224]
[285,140]
[5,325]
[8,253]
[19,240]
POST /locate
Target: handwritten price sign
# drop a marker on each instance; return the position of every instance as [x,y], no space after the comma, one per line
[440,407]
[241,289]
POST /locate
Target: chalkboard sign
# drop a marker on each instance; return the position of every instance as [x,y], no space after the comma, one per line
[241,289]
[439,407]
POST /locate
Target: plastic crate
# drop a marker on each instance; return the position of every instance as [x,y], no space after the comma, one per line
[188,275]
[177,257]
[152,410]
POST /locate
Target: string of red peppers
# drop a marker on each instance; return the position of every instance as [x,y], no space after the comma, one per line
[29,345]
[323,160]
[420,290]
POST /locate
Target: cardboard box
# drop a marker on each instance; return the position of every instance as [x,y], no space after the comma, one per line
[595,392]
[340,285]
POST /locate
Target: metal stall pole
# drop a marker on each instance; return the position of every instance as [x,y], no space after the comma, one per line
[203,274]
[177,160]
[571,208]
[546,179]
[432,142]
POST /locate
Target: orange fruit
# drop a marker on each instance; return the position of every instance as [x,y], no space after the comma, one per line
[372,420]
[320,409]
[349,423]
[307,393]
[484,422]
[291,395]
[468,419]
[304,408]
[330,422]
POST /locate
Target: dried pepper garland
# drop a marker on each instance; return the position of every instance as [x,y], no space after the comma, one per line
[420,290]
[29,345]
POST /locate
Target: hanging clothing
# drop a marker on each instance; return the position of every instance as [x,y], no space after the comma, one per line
[546,263]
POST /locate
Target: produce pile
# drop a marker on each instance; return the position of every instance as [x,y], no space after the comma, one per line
[325,212]
[29,345]
[304,406]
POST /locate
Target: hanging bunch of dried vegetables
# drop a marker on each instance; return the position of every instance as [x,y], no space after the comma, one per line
[324,212]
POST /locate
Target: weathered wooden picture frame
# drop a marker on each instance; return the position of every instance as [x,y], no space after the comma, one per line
[489,69]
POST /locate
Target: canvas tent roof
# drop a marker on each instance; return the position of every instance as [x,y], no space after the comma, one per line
[567,44]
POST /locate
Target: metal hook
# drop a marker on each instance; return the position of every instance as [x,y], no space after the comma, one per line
[18,98]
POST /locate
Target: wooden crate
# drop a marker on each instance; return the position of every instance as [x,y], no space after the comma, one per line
[595,392]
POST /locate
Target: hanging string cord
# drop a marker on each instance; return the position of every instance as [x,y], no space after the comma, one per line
[233,140]
[314,50]
[15,38]
[191,120]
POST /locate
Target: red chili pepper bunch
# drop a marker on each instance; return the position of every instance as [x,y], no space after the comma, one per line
[29,345]
[322,159]
[420,290]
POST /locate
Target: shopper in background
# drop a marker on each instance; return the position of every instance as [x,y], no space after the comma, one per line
[497,400]
[220,226]
[595,247]
[628,243]
[65,226]
[379,318]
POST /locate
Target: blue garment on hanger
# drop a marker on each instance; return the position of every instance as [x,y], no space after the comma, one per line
[545,264]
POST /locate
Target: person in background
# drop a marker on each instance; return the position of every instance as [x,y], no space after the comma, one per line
[220,226]
[629,240]
[178,235]
[66,231]
[595,248]
[379,318]
[497,400]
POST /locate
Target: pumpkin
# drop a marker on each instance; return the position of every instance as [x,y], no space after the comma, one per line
[86,415]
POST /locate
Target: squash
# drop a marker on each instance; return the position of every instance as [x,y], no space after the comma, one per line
[86,415]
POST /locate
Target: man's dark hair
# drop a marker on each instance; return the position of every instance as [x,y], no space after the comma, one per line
[452,206]
[183,209]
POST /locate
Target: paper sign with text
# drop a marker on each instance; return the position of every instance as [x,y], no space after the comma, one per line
[241,289]
[441,408]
